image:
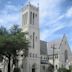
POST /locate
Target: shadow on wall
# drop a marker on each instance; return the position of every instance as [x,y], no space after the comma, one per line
[0,70]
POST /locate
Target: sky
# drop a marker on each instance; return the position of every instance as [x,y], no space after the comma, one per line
[55,17]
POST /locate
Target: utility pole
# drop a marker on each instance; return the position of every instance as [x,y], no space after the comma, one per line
[53,46]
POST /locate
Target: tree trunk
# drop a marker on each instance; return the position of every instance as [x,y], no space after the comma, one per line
[9,64]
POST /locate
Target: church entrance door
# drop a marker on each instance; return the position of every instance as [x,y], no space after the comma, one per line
[33,69]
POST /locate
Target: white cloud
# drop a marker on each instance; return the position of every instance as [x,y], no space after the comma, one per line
[49,10]
[56,20]
[49,16]
[46,33]
[9,16]
[69,12]
[11,7]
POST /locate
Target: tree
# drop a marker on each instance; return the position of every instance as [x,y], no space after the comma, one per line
[16,70]
[62,69]
[70,68]
[50,68]
[11,42]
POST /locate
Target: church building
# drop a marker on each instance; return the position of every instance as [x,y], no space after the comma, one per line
[41,53]
[59,53]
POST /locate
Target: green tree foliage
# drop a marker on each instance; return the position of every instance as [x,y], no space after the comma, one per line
[11,42]
[16,70]
[70,68]
[62,69]
[50,68]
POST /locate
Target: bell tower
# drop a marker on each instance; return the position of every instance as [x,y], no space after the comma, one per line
[30,24]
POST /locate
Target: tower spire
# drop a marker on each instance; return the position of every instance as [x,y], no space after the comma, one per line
[29,2]
[38,5]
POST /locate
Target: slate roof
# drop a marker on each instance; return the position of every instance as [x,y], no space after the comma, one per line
[46,48]
[56,44]
[43,47]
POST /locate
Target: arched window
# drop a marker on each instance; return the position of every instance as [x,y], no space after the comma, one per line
[1,58]
[34,67]
[43,67]
[24,18]
[30,54]
[56,66]
[33,39]
[66,55]
[31,18]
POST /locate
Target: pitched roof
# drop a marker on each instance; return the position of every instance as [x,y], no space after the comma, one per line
[47,47]
[43,47]
[55,44]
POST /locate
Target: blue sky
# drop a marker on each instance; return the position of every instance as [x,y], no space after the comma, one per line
[55,17]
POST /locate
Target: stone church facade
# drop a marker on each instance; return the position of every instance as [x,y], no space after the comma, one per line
[30,24]
[62,53]
[37,58]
